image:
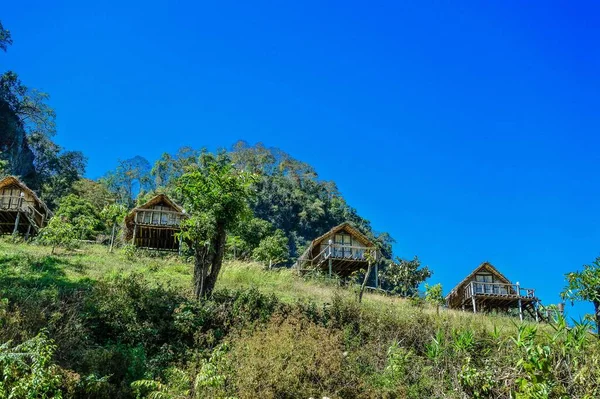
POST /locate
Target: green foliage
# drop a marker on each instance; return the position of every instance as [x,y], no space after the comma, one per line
[128,178]
[95,192]
[434,294]
[404,276]
[122,328]
[5,38]
[59,233]
[82,215]
[246,236]
[27,371]
[585,286]
[272,249]
[216,197]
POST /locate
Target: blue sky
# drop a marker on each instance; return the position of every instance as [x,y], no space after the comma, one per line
[468,131]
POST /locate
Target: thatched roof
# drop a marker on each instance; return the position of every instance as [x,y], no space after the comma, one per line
[156,200]
[13,180]
[486,267]
[348,228]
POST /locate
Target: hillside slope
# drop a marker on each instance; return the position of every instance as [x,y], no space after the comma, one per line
[124,325]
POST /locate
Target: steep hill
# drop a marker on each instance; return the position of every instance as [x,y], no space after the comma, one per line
[99,325]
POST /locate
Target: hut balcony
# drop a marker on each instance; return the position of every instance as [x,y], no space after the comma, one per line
[498,290]
[343,259]
[158,218]
[15,205]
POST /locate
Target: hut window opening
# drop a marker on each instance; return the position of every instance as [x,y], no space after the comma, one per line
[484,288]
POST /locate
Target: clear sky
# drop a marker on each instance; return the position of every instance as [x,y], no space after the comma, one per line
[468,130]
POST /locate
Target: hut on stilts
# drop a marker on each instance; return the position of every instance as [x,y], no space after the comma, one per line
[21,211]
[485,289]
[341,251]
[154,224]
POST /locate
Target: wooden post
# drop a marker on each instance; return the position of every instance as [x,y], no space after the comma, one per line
[17,220]
[329,254]
[112,237]
[520,303]
[28,231]
[134,233]
[376,274]
[535,309]
[473,297]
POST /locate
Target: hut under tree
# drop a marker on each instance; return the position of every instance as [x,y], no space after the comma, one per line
[154,224]
[341,251]
[486,289]
[21,211]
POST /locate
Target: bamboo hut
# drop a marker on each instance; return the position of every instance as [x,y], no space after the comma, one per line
[21,211]
[154,224]
[485,289]
[341,251]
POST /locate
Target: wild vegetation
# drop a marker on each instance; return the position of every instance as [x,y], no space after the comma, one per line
[86,323]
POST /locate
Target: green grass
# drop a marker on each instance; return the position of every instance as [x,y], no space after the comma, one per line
[94,262]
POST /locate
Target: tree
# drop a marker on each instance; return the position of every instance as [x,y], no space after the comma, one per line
[93,191]
[82,215]
[216,196]
[434,295]
[272,249]
[585,286]
[5,38]
[113,214]
[129,178]
[58,233]
[404,276]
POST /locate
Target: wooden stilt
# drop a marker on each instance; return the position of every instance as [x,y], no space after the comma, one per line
[28,232]
[17,220]
[377,275]
[474,305]
[134,233]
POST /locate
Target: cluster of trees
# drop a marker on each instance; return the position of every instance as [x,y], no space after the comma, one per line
[28,125]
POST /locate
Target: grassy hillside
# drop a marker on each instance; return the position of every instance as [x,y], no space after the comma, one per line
[94,324]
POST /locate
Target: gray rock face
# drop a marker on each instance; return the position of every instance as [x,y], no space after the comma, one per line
[13,145]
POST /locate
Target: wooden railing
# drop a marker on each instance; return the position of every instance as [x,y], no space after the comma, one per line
[499,289]
[156,217]
[350,252]
[19,204]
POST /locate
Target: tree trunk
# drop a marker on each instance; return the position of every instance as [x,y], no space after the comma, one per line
[217,259]
[208,262]
[364,284]
[112,237]
[597,314]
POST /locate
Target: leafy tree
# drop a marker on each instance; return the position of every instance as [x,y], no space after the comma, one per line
[585,286]
[95,192]
[30,125]
[27,371]
[404,276]
[216,196]
[129,178]
[82,215]
[58,233]
[5,38]
[434,295]
[272,249]
[113,214]
[246,236]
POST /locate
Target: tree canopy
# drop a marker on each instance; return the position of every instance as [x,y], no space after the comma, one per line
[216,197]
[585,286]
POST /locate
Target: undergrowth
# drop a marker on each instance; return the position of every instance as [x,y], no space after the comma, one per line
[92,325]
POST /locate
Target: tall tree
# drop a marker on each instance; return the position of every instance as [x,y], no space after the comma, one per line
[403,276]
[585,286]
[5,38]
[216,196]
[129,178]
